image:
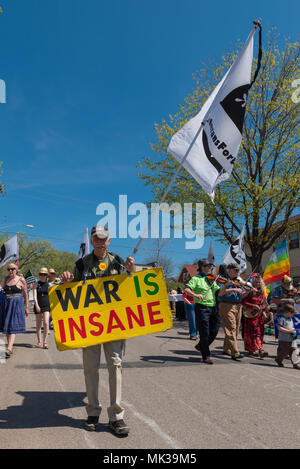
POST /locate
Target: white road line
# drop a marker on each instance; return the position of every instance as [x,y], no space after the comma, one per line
[2,351]
[154,426]
[148,421]
[73,411]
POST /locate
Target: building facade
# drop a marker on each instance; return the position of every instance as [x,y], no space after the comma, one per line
[187,272]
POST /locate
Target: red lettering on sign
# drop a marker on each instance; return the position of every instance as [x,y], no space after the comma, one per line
[113,316]
[139,319]
[62,331]
[80,329]
[97,324]
[154,313]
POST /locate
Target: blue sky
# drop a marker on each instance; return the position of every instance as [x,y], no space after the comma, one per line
[86,80]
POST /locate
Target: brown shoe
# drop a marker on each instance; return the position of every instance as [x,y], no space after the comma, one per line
[237,357]
[197,347]
[280,364]
[91,423]
[208,361]
[119,427]
[8,353]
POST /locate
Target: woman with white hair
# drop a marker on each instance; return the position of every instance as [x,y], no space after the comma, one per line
[12,314]
[254,309]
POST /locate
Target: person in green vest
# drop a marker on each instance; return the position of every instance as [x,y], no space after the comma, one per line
[206,312]
[102,263]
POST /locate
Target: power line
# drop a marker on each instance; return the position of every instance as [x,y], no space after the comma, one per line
[60,196]
[77,241]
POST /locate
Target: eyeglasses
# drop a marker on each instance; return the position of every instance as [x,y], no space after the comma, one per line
[43,275]
[9,269]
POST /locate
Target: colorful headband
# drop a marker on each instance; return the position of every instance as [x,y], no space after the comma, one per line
[255,275]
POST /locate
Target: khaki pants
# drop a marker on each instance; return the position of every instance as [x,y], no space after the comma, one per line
[230,315]
[91,363]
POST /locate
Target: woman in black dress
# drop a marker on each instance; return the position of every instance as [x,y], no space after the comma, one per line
[42,307]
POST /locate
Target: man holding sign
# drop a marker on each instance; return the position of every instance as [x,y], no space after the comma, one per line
[102,263]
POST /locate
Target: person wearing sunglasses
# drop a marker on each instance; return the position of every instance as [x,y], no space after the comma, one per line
[14,308]
[42,307]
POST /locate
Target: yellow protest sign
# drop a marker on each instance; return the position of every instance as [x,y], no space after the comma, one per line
[109,308]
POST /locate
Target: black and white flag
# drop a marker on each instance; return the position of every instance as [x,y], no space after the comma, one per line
[211,157]
[236,253]
[9,250]
[84,246]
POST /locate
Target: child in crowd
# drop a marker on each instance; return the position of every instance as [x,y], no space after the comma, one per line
[287,338]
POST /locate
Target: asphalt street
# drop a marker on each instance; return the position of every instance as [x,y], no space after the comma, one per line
[172,399]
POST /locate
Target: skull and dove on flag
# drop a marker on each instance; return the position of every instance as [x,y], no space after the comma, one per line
[236,253]
[9,250]
[208,144]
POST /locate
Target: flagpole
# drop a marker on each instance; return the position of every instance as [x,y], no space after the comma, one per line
[256,25]
[169,187]
[18,244]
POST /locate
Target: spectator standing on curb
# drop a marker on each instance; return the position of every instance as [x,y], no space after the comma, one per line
[179,307]
[189,306]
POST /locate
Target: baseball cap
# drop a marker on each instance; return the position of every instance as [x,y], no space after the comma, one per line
[203,262]
[232,265]
[100,231]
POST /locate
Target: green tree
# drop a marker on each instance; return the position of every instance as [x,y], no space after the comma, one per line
[264,186]
[173,285]
[40,253]
[162,260]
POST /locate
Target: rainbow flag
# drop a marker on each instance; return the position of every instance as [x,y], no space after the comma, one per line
[277,267]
